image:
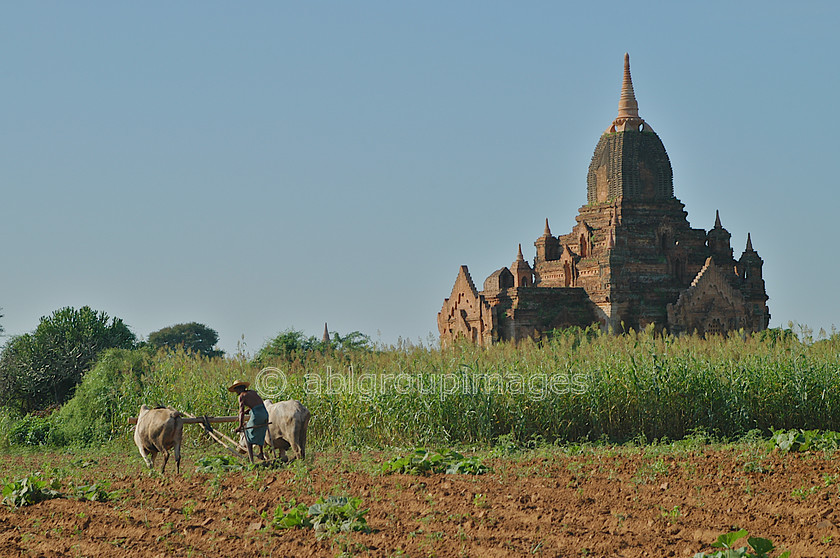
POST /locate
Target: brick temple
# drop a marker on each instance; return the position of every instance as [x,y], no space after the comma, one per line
[631,260]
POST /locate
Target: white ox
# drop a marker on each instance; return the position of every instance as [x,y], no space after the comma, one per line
[159,430]
[288,421]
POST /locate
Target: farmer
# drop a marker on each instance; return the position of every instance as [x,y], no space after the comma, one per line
[254,431]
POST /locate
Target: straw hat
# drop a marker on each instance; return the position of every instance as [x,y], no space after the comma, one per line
[238,383]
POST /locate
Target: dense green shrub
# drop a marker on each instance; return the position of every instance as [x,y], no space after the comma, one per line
[43,368]
[30,430]
[107,396]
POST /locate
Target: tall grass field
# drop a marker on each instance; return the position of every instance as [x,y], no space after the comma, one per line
[580,385]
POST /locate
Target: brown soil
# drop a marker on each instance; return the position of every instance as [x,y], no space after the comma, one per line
[602,503]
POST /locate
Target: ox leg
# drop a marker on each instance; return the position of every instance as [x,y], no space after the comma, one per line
[165,459]
[293,443]
[150,459]
[178,458]
[295,452]
[269,443]
[300,438]
[145,457]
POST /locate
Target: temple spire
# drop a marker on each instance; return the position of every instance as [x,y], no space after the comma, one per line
[547,231]
[519,257]
[749,244]
[627,105]
[717,219]
[628,109]
[326,337]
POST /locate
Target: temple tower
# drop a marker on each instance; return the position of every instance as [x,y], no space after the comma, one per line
[630,261]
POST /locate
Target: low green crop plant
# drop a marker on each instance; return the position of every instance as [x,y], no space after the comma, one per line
[758,547]
[419,462]
[802,493]
[467,466]
[506,445]
[422,461]
[804,440]
[338,514]
[218,464]
[295,515]
[94,492]
[649,472]
[671,515]
[29,490]
[328,516]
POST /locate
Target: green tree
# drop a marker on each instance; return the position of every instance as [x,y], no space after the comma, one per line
[192,337]
[13,366]
[286,345]
[292,342]
[44,367]
[353,341]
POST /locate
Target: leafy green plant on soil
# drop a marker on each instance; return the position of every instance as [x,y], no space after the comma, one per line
[94,492]
[758,547]
[297,515]
[218,464]
[423,461]
[29,490]
[805,440]
[328,516]
[33,489]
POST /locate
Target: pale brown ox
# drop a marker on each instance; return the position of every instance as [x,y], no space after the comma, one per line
[288,422]
[157,431]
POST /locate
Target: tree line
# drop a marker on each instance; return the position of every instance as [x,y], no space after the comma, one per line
[41,370]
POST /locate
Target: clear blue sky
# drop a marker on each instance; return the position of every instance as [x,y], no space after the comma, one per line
[269,165]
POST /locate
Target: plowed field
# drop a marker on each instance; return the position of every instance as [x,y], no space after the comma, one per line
[603,502]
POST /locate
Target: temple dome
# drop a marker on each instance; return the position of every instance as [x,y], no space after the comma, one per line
[630,160]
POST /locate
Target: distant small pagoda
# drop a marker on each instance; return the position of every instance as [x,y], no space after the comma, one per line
[631,260]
